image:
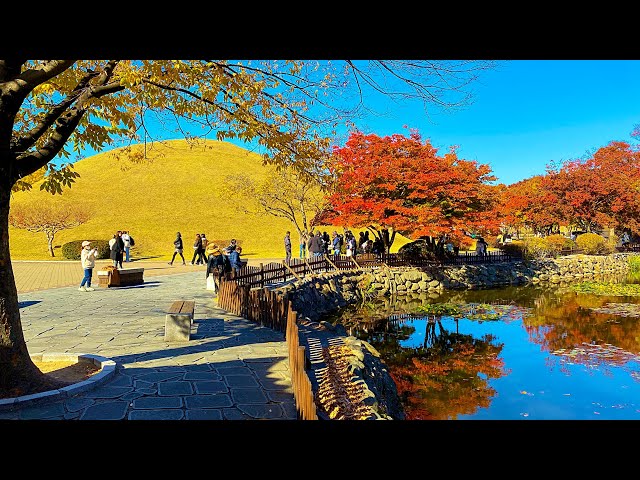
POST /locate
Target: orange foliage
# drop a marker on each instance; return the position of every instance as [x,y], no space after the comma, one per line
[402,183]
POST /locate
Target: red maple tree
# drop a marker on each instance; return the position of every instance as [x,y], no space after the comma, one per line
[401,184]
[601,190]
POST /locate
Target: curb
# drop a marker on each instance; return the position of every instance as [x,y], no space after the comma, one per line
[107,370]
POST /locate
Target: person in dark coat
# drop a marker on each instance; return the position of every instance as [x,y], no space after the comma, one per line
[481,246]
[315,245]
[197,247]
[120,254]
[116,245]
[178,246]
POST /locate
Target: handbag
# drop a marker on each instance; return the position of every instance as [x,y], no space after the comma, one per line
[211,283]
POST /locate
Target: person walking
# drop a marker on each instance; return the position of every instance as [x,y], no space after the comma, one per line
[88,261]
[351,244]
[481,247]
[202,259]
[126,239]
[287,247]
[326,240]
[120,252]
[178,247]
[197,245]
[335,243]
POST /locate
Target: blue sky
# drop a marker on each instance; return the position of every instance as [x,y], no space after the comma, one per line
[527,113]
[524,114]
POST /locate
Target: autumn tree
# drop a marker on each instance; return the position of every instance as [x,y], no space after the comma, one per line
[283,193]
[47,217]
[530,204]
[401,184]
[599,191]
[287,110]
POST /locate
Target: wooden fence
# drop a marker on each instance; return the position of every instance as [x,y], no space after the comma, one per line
[267,308]
[275,273]
[245,293]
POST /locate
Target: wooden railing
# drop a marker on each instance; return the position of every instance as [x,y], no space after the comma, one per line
[302,389]
[265,307]
[274,272]
[245,294]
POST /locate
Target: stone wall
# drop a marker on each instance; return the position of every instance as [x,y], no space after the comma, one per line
[315,296]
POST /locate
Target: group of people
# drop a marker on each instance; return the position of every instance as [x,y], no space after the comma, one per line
[120,248]
[199,247]
[200,244]
[224,260]
[320,243]
[209,254]
[119,251]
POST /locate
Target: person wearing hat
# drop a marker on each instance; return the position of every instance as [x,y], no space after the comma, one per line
[88,260]
[214,257]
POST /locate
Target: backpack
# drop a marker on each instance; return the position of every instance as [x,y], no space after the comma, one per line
[131,241]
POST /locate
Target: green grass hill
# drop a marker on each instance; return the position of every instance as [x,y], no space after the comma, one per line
[175,190]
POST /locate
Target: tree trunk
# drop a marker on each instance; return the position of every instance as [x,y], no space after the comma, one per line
[18,374]
[50,243]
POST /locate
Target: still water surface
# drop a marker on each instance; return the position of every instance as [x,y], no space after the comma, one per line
[550,355]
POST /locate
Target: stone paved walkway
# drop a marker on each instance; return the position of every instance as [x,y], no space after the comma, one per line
[231,369]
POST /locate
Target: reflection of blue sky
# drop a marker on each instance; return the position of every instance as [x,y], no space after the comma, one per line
[542,386]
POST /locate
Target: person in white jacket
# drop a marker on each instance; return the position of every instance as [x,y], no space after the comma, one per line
[88,261]
[127,246]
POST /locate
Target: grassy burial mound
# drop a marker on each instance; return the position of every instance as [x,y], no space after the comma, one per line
[178,188]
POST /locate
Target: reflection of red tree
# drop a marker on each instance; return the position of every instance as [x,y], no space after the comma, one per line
[570,322]
[594,355]
[443,386]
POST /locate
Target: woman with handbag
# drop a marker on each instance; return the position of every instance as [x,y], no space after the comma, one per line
[177,243]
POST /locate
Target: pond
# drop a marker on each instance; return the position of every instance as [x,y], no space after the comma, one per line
[513,353]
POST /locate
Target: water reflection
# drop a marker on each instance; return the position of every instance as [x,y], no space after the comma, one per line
[552,354]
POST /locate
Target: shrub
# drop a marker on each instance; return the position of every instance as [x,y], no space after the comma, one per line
[513,248]
[634,264]
[71,250]
[557,242]
[538,248]
[592,243]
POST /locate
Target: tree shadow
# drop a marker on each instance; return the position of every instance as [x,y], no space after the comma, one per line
[28,303]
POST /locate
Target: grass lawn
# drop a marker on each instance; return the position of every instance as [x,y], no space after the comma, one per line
[177,189]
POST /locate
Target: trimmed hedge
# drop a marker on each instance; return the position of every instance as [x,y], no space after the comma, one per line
[72,250]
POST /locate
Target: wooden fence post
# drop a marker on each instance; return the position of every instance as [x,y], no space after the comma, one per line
[332,264]
[292,272]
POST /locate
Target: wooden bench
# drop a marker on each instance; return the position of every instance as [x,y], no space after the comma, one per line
[121,278]
[178,320]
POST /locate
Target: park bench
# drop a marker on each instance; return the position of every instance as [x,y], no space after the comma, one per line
[120,278]
[178,320]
